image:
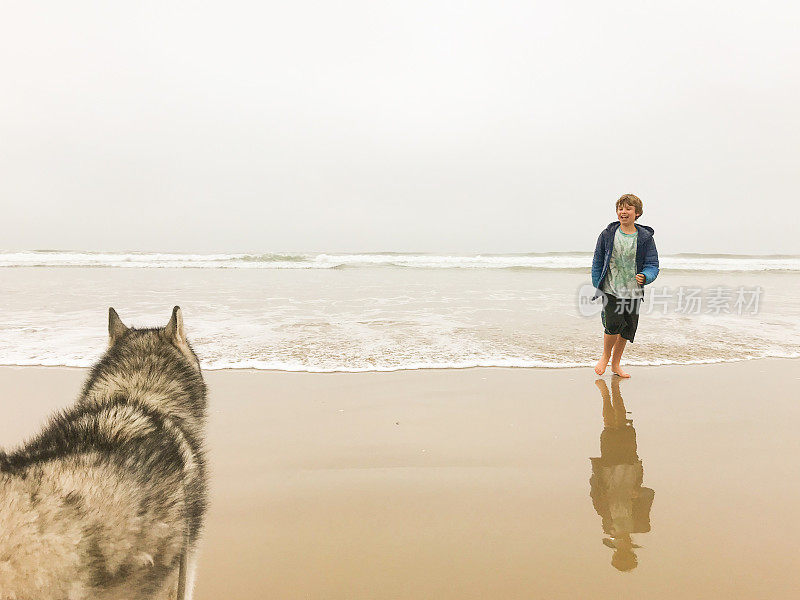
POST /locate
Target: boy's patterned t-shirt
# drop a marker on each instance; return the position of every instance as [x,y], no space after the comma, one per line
[620,279]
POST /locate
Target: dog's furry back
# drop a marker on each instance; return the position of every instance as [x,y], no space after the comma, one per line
[102,503]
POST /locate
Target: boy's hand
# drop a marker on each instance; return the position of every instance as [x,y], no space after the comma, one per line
[640,278]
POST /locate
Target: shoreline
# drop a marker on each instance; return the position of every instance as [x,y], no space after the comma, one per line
[632,364]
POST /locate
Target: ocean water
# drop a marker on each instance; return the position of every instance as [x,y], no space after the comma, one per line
[389,311]
[555,261]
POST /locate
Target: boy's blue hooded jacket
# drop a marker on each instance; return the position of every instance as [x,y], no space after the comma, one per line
[646,255]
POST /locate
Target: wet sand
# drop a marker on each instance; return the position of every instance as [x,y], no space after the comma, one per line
[476,483]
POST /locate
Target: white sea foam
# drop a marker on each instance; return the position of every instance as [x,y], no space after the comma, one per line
[386,319]
[553,261]
[256,365]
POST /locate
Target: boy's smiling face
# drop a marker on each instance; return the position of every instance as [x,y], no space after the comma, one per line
[626,214]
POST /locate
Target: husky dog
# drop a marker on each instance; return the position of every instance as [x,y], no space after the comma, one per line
[107,502]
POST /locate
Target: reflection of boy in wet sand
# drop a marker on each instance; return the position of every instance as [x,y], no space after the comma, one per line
[616,481]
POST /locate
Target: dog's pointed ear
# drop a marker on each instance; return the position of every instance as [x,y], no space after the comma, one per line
[174,328]
[116,328]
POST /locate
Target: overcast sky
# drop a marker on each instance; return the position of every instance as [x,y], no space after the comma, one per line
[400,126]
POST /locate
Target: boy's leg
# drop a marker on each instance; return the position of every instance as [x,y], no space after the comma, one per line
[631,315]
[609,342]
[619,348]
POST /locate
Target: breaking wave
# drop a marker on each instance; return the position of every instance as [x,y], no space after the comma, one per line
[566,261]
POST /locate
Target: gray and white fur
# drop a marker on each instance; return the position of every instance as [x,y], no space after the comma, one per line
[107,502]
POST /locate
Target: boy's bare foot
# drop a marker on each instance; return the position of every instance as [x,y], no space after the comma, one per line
[617,370]
[600,368]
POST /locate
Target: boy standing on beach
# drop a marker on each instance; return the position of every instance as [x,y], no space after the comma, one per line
[625,259]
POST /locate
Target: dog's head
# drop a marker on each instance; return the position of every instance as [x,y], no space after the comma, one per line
[172,335]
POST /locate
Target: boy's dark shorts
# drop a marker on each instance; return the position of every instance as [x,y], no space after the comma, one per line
[621,316]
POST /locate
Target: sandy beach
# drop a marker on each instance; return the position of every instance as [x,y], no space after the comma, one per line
[475,483]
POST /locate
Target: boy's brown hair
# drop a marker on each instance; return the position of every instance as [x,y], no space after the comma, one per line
[633,201]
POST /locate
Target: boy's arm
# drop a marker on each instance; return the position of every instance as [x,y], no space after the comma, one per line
[650,268]
[597,261]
